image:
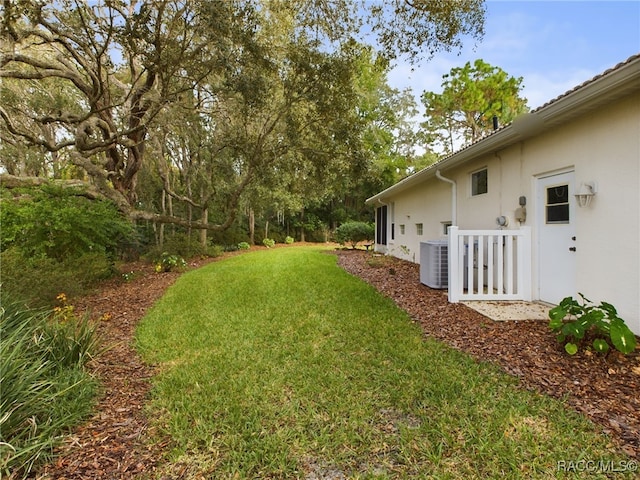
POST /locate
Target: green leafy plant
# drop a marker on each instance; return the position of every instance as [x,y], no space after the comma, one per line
[37,280]
[56,224]
[169,262]
[288,240]
[354,232]
[268,242]
[244,246]
[576,321]
[128,276]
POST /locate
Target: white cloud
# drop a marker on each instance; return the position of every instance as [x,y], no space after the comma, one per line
[553,46]
[540,88]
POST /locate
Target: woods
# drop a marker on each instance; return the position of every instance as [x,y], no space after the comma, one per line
[213,123]
[189,112]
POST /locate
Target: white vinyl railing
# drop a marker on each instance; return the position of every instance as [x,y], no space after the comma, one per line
[489,264]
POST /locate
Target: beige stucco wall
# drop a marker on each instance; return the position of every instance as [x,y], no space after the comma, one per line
[601,146]
[415,206]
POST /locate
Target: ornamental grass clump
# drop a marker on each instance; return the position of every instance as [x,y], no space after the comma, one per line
[576,322]
[45,389]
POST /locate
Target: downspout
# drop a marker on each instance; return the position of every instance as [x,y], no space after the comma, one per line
[454,208]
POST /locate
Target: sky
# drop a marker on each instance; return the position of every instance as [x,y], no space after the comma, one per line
[553,45]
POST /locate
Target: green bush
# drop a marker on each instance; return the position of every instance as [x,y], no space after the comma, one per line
[37,280]
[184,245]
[575,322]
[44,388]
[354,232]
[168,262]
[288,240]
[214,251]
[59,225]
[243,246]
[53,241]
[268,242]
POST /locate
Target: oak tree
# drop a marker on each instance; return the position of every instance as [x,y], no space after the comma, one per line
[91,84]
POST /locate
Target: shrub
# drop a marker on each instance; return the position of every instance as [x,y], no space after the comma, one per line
[575,321]
[244,246]
[214,251]
[59,225]
[288,240]
[168,262]
[37,280]
[268,242]
[184,246]
[44,388]
[52,240]
[354,232]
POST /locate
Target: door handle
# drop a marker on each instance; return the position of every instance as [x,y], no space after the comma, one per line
[572,249]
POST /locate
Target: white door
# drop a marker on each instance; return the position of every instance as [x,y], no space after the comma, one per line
[556,237]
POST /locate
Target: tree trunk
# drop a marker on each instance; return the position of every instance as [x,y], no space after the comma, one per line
[266,229]
[302,225]
[203,232]
[252,227]
[173,227]
[164,212]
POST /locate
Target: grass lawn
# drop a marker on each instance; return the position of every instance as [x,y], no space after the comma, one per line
[278,364]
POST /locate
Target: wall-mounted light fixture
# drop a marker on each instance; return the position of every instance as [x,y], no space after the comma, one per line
[585,193]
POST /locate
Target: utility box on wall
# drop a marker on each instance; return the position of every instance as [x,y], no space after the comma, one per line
[434,263]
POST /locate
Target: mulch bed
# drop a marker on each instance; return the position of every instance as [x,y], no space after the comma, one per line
[114,443]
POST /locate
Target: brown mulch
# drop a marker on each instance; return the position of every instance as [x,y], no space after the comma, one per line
[114,443]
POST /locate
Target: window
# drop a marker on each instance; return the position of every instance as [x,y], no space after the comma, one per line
[479,183]
[445,227]
[557,204]
[418,228]
[401,229]
[381,225]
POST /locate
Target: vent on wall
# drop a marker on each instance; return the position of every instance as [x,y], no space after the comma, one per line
[434,263]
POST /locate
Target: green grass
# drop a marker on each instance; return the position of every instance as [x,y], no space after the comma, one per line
[278,364]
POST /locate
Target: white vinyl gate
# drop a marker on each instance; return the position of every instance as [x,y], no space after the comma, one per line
[489,264]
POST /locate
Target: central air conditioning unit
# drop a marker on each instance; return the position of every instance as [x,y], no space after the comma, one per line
[434,263]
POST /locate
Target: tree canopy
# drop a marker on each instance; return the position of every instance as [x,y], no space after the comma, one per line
[204,100]
[472,96]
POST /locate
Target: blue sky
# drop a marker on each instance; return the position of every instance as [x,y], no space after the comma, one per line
[553,45]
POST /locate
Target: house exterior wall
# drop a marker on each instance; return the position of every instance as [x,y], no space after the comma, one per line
[601,146]
[418,206]
[608,232]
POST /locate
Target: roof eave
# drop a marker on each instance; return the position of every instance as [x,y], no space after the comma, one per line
[611,85]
